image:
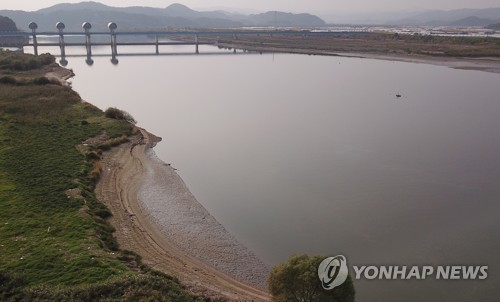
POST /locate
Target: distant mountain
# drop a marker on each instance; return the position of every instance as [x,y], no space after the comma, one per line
[6,24]
[131,18]
[454,15]
[458,17]
[99,20]
[472,21]
[180,10]
[286,19]
[88,5]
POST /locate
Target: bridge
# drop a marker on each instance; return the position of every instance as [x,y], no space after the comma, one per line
[180,37]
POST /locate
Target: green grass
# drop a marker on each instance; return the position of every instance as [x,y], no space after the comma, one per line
[48,246]
[23,62]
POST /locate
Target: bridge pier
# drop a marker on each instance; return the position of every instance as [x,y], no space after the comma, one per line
[114,49]
[196,41]
[60,26]
[157,45]
[215,38]
[87,26]
[33,26]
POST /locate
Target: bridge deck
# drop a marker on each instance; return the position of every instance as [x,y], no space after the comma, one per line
[119,44]
[22,39]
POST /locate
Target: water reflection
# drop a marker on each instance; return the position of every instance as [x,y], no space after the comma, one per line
[64,52]
[89,59]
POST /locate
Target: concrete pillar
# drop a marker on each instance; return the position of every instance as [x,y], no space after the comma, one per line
[112,28]
[157,45]
[87,26]
[60,26]
[33,26]
[196,41]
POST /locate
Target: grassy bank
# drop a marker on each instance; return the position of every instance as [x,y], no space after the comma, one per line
[55,241]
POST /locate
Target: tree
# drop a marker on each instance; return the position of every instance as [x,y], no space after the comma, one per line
[297,280]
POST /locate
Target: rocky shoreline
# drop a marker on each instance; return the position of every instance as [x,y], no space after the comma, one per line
[183,220]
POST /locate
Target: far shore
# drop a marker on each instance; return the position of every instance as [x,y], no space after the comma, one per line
[480,64]
[470,53]
[486,64]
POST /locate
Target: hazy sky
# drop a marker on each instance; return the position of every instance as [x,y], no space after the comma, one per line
[316,6]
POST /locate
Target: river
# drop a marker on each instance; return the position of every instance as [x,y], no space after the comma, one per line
[310,154]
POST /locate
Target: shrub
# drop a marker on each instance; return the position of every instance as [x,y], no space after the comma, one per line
[10,60]
[8,80]
[96,171]
[11,286]
[92,155]
[297,280]
[118,114]
[41,81]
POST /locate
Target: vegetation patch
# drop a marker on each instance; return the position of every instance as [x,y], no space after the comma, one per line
[297,280]
[15,61]
[118,114]
[55,242]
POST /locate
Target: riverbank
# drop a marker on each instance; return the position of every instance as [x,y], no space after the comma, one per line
[56,244]
[471,53]
[481,64]
[157,217]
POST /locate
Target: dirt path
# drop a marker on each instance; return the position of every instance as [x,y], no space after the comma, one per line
[125,169]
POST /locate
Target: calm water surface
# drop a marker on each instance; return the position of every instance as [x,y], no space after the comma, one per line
[295,153]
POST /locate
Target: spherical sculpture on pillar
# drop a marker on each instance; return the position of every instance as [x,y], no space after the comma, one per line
[60,25]
[87,26]
[112,26]
[33,26]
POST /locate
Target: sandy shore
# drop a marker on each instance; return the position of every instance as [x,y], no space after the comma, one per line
[480,64]
[156,216]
